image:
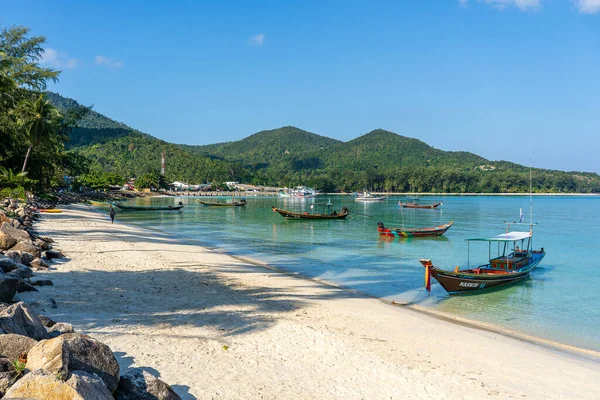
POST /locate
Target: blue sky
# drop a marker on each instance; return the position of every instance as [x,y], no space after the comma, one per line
[486,76]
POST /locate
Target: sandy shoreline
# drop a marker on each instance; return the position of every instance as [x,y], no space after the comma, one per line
[172,307]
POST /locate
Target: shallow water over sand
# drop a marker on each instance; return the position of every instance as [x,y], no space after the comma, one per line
[559,301]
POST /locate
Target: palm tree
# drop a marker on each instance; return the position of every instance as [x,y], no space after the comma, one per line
[39,121]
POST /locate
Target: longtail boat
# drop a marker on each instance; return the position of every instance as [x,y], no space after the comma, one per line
[240,203]
[149,208]
[512,265]
[414,203]
[413,232]
[305,215]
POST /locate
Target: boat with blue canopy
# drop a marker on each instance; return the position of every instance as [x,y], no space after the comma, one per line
[514,260]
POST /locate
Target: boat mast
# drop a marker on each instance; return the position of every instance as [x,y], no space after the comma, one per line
[530,193]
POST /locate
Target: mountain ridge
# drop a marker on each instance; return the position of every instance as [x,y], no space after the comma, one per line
[376,160]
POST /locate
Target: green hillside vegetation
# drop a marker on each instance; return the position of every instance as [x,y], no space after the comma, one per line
[379,161]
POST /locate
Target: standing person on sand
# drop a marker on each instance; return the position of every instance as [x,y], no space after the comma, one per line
[112,214]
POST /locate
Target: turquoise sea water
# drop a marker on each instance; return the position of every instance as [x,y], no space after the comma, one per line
[559,302]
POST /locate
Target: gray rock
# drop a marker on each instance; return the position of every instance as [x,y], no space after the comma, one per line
[38,264]
[27,246]
[8,288]
[26,258]
[50,254]
[47,239]
[8,374]
[22,272]
[25,286]
[47,321]
[22,320]
[89,386]
[7,265]
[14,255]
[47,303]
[42,282]
[6,241]
[17,234]
[12,346]
[75,351]
[60,328]
[138,384]
[42,244]
[44,385]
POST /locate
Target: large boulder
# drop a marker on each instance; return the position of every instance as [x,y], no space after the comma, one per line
[47,321]
[25,286]
[14,255]
[13,346]
[6,264]
[17,234]
[28,247]
[138,384]
[75,351]
[4,218]
[45,386]
[22,320]
[22,272]
[26,258]
[6,241]
[60,328]
[38,264]
[8,374]
[50,254]
[8,288]
[41,243]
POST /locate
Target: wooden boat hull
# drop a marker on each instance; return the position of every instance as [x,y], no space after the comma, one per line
[414,232]
[428,206]
[483,278]
[213,204]
[297,215]
[148,208]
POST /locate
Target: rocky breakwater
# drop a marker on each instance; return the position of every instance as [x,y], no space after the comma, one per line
[43,359]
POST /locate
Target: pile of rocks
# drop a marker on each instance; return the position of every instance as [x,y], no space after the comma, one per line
[44,359]
[22,250]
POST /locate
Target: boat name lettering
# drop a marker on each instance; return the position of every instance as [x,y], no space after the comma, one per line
[468,284]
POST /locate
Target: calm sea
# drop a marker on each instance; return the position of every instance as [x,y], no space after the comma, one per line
[559,302]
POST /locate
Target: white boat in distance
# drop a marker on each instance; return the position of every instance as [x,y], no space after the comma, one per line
[368,197]
[300,192]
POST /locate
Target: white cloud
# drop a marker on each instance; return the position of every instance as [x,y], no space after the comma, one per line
[108,62]
[54,59]
[587,6]
[523,5]
[257,40]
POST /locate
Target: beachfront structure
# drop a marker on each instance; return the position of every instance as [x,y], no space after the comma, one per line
[186,186]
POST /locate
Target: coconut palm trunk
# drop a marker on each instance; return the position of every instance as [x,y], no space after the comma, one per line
[26,158]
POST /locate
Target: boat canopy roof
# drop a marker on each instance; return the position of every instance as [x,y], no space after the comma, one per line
[505,237]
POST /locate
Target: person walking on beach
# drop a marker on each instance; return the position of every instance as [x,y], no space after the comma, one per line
[112,214]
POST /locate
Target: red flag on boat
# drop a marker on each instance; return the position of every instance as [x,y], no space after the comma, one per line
[427,278]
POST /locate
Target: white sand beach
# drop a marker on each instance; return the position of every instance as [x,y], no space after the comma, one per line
[215,327]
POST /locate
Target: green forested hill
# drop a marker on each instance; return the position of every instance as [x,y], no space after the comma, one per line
[269,146]
[379,160]
[382,148]
[114,147]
